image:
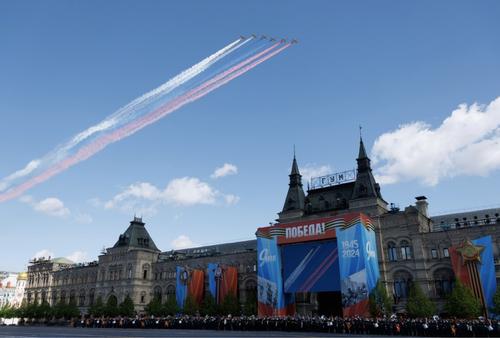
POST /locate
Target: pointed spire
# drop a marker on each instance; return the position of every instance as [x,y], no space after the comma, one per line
[295,168]
[365,185]
[362,150]
[295,196]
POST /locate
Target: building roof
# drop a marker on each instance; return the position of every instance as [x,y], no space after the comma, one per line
[62,260]
[136,236]
[211,250]
[467,218]
[335,197]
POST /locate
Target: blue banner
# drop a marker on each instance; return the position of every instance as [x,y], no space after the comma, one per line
[487,270]
[271,299]
[359,271]
[182,276]
[311,267]
[212,283]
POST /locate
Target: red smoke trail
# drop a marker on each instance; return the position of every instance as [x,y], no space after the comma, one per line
[99,144]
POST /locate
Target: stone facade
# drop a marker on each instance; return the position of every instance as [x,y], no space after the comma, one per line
[135,267]
[412,247]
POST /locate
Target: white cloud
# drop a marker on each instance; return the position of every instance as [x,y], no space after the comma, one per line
[44,253]
[466,143]
[78,257]
[52,206]
[189,191]
[313,170]
[182,242]
[226,170]
[144,197]
[140,190]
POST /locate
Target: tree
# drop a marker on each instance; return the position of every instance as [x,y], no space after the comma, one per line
[461,303]
[379,301]
[496,302]
[418,304]
[230,305]
[7,311]
[126,308]
[43,311]
[250,305]
[190,306]
[71,310]
[170,307]
[111,308]
[59,310]
[97,309]
[208,305]
[154,307]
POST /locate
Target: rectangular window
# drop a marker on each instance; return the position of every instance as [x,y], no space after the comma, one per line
[446,253]
[434,253]
[145,275]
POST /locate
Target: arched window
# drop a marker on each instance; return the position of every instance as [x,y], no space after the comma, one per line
[143,297]
[251,290]
[81,298]
[443,281]
[44,297]
[402,281]
[72,297]
[157,293]
[54,298]
[63,296]
[405,250]
[91,296]
[170,292]
[392,252]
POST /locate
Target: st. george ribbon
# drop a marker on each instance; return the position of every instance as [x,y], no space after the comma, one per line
[228,63]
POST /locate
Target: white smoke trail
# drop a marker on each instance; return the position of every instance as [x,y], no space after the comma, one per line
[163,89]
[100,143]
[125,113]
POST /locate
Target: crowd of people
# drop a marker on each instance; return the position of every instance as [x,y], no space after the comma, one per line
[430,327]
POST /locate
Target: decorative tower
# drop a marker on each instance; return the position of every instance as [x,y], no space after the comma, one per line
[366,191]
[295,198]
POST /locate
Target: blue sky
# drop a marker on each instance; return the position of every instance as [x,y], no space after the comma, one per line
[385,65]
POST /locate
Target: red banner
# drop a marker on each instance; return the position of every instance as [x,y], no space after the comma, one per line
[196,285]
[228,283]
[312,230]
[459,268]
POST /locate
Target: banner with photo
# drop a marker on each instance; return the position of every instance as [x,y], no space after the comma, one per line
[358,263]
[182,276]
[222,281]
[271,298]
[474,266]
